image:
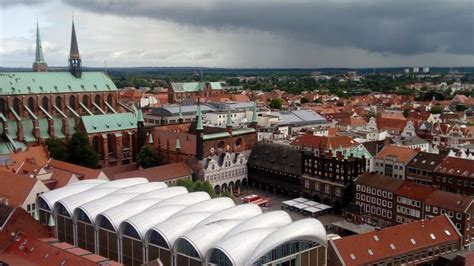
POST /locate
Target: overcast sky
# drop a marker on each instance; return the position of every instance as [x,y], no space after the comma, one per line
[242,33]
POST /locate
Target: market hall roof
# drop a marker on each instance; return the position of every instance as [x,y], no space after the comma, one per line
[20,83]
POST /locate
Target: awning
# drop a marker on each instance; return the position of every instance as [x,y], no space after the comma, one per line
[356,228]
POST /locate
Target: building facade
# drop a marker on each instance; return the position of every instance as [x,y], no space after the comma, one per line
[455,175]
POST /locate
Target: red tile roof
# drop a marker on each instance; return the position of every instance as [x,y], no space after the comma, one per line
[26,250]
[414,191]
[326,143]
[402,154]
[456,167]
[391,124]
[81,171]
[15,187]
[450,201]
[36,153]
[160,173]
[400,236]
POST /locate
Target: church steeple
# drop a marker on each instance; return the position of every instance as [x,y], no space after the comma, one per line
[39,65]
[74,57]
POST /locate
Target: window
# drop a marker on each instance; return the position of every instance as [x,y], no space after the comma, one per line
[363,188]
[357,196]
[427,208]
[379,193]
[358,187]
[362,197]
[389,204]
[28,207]
[390,195]
[435,210]
[327,189]
[306,183]
[384,194]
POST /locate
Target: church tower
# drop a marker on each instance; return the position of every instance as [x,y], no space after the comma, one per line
[74,58]
[39,65]
[199,135]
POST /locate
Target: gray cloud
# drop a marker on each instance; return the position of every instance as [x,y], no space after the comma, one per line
[9,3]
[402,27]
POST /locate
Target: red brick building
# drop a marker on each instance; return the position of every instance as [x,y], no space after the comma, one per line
[455,175]
[414,243]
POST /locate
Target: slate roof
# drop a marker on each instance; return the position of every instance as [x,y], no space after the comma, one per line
[17,83]
[379,181]
[373,147]
[426,161]
[271,156]
[109,122]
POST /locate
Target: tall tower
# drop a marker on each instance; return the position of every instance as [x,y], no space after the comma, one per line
[199,135]
[74,57]
[253,123]
[141,132]
[39,65]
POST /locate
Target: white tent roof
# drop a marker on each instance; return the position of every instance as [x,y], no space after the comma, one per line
[143,221]
[272,219]
[243,211]
[305,229]
[72,202]
[212,205]
[205,237]
[121,183]
[51,197]
[184,199]
[164,193]
[142,188]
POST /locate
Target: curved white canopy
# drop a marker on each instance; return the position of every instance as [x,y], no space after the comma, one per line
[164,193]
[121,183]
[72,202]
[243,211]
[119,213]
[274,219]
[95,207]
[143,221]
[205,237]
[184,199]
[142,188]
[212,205]
[306,229]
[234,249]
[51,197]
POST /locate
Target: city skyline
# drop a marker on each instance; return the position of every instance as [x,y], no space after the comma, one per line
[242,35]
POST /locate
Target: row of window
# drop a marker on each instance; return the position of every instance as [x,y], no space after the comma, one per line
[374,200]
[410,202]
[374,191]
[409,211]
[396,167]
[327,188]
[375,210]
[227,174]
[450,181]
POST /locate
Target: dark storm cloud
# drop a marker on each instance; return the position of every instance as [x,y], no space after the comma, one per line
[389,27]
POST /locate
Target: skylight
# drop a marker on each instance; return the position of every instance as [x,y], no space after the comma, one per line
[376,238]
[392,246]
[432,236]
[352,256]
[370,252]
[413,241]
[447,232]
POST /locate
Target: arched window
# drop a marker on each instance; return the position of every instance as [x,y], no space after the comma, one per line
[97,100]
[17,105]
[59,101]
[72,101]
[31,103]
[110,99]
[45,103]
[238,142]
[3,106]
[85,100]
[221,145]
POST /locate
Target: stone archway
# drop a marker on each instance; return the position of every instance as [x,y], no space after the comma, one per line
[316,198]
[224,187]
[217,189]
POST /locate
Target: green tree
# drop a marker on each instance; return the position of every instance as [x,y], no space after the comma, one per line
[199,185]
[187,183]
[148,157]
[304,100]
[461,108]
[406,112]
[57,149]
[437,109]
[276,103]
[79,151]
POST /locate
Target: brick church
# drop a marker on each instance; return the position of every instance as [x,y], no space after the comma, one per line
[38,105]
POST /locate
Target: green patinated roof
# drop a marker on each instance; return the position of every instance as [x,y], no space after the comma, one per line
[194,86]
[17,83]
[140,115]
[28,130]
[71,125]
[235,132]
[58,125]
[108,122]
[43,127]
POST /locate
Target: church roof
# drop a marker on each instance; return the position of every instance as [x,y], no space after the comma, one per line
[108,122]
[18,83]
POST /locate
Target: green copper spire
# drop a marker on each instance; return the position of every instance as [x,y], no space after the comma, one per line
[199,118]
[39,48]
[180,113]
[140,115]
[254,114]
[134,109]
[51,221]
[36,214]
[178,144]
[229,118]
[150,139]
